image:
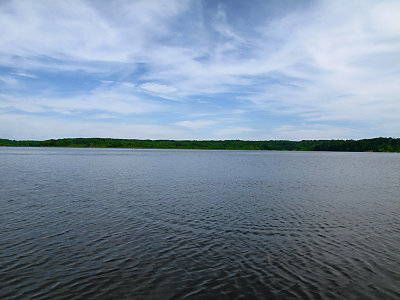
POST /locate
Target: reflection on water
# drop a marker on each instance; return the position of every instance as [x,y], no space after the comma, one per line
[119,223]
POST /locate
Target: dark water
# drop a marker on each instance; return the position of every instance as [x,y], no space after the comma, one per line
[160,224]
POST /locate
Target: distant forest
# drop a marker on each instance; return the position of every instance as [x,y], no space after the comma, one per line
[375,145]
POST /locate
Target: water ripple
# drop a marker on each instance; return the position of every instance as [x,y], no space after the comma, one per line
[87,223]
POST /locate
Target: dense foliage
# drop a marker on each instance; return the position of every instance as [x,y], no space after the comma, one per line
[376,144]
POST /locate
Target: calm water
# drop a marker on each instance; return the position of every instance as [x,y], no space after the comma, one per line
[172,224]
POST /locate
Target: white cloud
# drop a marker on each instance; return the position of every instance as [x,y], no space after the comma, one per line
[38,127]
[128,84]
[9,80]
[314,132]
[385,18]
[233,132]
[23,74]
[344,64]
[196,124]
[103,116]
[158,88]
[80,32]
[112,100]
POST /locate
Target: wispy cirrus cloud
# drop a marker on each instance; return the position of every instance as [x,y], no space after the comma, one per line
[9,80]
[119,99]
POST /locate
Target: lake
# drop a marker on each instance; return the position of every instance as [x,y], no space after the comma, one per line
[198,224]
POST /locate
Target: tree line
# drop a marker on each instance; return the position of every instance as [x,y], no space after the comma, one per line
[374,145]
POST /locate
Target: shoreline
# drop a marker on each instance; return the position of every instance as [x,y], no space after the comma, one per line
[391,145]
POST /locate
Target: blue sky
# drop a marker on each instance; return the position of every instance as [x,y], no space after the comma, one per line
[169,69]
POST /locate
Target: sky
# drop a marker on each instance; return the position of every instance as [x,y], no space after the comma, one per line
[201,69]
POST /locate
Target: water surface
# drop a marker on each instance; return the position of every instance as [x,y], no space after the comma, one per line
[196,224]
